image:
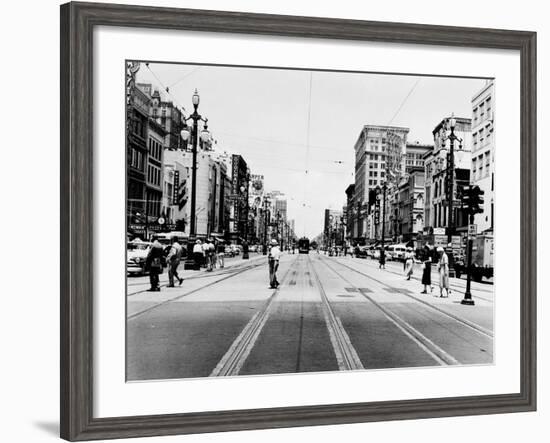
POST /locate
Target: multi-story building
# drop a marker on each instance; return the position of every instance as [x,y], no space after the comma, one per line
[154,171]
[408,217]
[414,155]
[436,174]
[136,151]
[176,190]
[280,208]
[483,153]
[379,158]
[240,178]
[167,115]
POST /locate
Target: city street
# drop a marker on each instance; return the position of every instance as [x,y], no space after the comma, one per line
[329,314]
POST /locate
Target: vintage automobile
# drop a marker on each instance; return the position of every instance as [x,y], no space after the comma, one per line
[136,254]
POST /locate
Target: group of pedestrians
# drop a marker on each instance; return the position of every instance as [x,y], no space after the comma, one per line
[441,258]
[210,253]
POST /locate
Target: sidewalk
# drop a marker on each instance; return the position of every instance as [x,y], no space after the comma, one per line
[141,283]
[483,291]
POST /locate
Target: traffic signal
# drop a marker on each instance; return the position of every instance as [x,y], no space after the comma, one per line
[477,201]
[472,199]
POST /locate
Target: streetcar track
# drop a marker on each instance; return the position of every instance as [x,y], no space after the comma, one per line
[346,355]
[444,326]
[208,275]
[437,353]
[235,357]
[164,302]
[478,328]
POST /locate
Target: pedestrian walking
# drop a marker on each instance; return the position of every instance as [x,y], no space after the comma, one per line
[154,264]
[409,263]
[173,259]
[220,249]
[273,260]
[209,254]
[382,259]
[443,269]
[198,254]
[427,269]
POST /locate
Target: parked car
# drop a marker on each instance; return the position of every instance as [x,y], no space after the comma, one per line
[362,251]
[136,255]
[396,252]
[253,248]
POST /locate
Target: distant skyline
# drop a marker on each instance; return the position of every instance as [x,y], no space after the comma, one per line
[298,128]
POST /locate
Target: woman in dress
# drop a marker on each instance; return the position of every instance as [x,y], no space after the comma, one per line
[427,269]
[409,263]
[443,269]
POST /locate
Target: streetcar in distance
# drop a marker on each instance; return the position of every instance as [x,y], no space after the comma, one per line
[303,245]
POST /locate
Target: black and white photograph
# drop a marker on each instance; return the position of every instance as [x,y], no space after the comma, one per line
[285,221]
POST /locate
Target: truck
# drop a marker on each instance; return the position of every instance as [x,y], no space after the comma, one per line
[482,258]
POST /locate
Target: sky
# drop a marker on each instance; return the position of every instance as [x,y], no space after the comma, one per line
[298,128]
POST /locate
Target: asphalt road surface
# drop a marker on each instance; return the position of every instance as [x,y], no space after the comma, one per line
[329,314]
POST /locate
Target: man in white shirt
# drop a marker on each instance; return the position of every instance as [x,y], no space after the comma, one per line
[198,254]
[273,259]
[173,259]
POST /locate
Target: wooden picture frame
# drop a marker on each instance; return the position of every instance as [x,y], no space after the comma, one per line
[77,23]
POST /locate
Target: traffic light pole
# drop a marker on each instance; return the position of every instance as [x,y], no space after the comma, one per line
[467,300]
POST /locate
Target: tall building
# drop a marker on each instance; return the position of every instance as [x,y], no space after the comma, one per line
[280,208]
[483,152]
[379,158]
[176,190]
[154,171]
[240,178]
[436,164]
[136,151]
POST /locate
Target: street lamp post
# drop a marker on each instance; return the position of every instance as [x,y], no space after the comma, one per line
[205,136]
[450,185]
[266,221]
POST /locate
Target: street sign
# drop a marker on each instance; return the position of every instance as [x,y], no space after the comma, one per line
[439,231]
[472,230]
[160,221]
[440,240]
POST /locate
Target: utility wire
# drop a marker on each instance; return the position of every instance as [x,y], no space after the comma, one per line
[404,101]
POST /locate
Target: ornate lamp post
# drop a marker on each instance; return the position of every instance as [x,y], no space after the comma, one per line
[186,133]
[450,173]
[195,117]
[266,222]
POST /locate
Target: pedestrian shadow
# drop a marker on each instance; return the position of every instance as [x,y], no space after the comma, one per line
[49,427]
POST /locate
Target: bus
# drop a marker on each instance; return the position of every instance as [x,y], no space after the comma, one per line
[303,245]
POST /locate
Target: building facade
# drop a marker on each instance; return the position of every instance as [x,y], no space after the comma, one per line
[333,229]
[483,153]
[414,155]
[437,174]
[136,151]
[154,171]
[240,178]
[380,153]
